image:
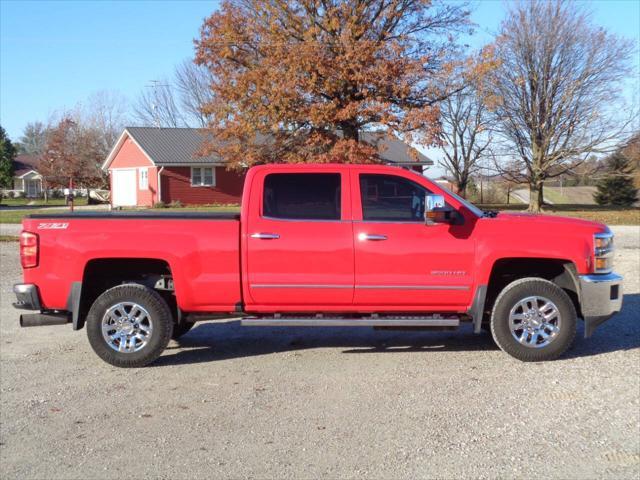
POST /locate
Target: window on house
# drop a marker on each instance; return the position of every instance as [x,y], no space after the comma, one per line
[203,176]
[302,196]
[143,179]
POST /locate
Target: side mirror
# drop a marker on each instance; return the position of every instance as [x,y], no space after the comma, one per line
[436,211]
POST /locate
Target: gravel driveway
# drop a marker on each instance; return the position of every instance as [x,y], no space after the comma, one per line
[333,403]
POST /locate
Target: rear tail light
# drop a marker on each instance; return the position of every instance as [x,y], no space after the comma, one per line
[28,249]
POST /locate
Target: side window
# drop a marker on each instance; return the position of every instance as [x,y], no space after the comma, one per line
[203,177]
[302,196]
[391,198]
[143,183]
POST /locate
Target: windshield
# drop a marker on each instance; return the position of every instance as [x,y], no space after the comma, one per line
[476,211]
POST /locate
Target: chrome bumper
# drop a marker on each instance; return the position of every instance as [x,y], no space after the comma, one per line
[27,296]
[600,298]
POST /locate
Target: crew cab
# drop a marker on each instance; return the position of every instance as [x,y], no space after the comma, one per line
[320,245]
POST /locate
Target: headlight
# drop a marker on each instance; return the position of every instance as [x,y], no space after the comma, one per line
[603,252]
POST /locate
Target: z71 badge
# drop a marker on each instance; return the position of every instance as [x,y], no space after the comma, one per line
[52,226]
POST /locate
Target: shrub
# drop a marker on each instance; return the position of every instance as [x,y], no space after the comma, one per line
[176,204]
[617,188]
[159,205]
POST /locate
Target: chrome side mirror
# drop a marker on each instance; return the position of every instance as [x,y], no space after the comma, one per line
[434,209]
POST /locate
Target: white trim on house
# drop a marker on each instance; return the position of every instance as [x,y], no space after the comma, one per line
[29,172]
[116,148]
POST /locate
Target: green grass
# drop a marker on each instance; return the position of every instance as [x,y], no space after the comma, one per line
[8,238]
[39,202]
[596,213]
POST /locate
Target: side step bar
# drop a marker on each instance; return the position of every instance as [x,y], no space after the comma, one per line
[399,321]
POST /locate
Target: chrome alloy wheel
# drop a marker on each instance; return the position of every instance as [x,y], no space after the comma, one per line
[126,327]
[535,322]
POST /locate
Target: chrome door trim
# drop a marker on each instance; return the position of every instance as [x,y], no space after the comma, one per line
[294,285]
[361,287]
[412,287]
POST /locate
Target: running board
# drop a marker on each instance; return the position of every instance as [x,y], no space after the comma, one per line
[372,321]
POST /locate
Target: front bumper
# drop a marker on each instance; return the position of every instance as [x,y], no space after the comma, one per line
[600,299]
[27,297]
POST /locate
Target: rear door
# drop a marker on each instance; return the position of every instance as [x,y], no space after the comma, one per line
[299,240]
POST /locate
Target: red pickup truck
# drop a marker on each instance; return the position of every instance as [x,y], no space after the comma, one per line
[320,245]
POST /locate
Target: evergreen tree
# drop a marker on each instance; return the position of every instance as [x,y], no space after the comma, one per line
[7,155]
[617,188]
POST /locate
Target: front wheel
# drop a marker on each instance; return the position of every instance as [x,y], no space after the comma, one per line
[129,325]
[533,320]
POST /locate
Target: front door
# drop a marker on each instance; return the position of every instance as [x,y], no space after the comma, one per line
[124,187]
[401,262]
[299,241]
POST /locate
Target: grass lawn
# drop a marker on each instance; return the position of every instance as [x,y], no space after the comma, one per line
[53,202]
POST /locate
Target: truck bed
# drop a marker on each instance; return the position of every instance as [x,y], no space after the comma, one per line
[155,215]
[201,251]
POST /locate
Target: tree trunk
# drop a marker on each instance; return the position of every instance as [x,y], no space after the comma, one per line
[535,197]
[461,188]
[350,131]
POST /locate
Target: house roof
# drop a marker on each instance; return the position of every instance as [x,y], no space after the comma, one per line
[180,146]
[24,164]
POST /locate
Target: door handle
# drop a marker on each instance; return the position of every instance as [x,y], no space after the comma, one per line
[265,236]
[371,236]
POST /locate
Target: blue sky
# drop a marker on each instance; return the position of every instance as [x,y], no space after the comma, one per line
[54,54]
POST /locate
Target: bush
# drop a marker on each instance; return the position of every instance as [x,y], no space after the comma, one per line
[617,187]
[617,191]
[159,205]
[176,204]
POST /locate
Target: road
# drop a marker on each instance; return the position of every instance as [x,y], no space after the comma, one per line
[333,403]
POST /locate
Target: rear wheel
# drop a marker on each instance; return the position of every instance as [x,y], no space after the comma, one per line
[129,325]
[533,320]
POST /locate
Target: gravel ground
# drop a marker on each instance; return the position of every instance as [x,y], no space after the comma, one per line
[10,229]
[333,403]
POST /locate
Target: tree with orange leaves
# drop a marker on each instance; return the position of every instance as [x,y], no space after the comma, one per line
[299,80]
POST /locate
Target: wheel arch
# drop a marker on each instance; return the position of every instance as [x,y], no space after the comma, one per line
[100,274]
[561,272]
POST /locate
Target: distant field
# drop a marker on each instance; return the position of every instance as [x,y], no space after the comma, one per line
[557,195]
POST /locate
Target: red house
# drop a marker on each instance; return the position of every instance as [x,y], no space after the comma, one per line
[148,165]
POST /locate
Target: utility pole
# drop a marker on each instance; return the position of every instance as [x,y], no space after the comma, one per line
[154,107]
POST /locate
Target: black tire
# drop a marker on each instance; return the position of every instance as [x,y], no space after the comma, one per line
[509,298]
[159,314]
[179,329]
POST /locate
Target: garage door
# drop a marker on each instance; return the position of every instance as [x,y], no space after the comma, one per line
[124,187]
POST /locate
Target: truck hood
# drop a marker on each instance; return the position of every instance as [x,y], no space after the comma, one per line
[576,225]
